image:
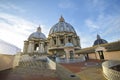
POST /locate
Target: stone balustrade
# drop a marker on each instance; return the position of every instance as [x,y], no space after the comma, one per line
[63,60]
[109,73]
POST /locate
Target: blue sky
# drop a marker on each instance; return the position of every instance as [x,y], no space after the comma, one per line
[19,18]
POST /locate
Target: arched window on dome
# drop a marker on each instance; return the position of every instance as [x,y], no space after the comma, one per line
[36,47]
[69,40]
[62,41]
[55,42]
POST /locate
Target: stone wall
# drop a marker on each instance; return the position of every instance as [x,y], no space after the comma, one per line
[65,74]
[16,60]
[8,61]
[111,74]
[92,56]
[113,55]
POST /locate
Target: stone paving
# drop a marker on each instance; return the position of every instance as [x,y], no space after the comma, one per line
[7,75]
[89,70]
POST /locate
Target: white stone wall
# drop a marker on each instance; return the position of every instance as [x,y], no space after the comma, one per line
[9,61]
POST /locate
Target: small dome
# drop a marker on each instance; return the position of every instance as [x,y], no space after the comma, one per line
[99,41]
[69,45]
[37,35]
[62,26]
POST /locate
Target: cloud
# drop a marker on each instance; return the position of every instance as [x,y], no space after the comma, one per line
[108,26]
[86,40]
[91,24]
[15,30]
[11,6]
[15,23]
[66,4]
[112,25]
[98,5]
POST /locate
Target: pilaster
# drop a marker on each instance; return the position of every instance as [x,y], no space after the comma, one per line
[41,47]
[25,48]
[31,47]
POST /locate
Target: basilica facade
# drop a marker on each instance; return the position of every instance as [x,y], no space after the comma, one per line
[60,34]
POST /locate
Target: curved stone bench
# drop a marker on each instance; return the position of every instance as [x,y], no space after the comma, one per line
[109,73]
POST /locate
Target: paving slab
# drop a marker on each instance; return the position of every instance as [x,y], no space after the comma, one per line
[88,70]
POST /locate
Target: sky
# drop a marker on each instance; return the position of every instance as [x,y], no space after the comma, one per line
[20,18]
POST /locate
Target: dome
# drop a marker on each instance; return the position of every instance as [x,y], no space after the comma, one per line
[62,26]
[99,41]
[37,35]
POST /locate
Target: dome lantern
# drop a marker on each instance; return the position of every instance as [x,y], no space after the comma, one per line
[39,29]
[98,36]
[61,19]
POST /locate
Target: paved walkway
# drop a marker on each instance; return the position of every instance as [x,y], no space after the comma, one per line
[8,75]
[89,70]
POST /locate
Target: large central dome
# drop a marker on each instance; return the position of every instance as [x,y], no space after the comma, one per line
[62,26]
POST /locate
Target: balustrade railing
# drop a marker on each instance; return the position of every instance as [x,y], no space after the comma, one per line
[63,60]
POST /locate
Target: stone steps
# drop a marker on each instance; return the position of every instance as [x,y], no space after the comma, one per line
[33,68]
[32,64]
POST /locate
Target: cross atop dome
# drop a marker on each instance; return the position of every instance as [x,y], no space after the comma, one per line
[39,29]
[61,19]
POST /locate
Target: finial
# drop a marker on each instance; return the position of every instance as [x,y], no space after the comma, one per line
[61,19]
[39,29]
[98,36]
